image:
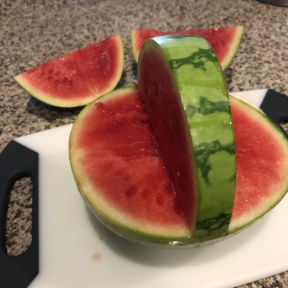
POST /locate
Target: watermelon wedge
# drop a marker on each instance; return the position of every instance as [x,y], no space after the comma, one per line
[118,169]
[77,78]
[224,40]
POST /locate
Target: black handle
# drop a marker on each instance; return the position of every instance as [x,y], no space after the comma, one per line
[275,106]
[17,161]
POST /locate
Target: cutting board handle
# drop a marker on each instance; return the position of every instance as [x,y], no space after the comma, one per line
[275,106]
[17,161]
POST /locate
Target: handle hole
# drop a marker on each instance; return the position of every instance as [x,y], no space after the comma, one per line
[19,217]
[283,121]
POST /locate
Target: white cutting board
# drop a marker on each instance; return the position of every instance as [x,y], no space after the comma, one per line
[77,251]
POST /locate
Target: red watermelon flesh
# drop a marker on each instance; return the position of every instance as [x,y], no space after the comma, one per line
[112,144]
[262,165]
[224,40]
[78,77]
[116,163]
[153,96]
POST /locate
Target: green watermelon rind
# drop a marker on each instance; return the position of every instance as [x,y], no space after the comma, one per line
[150,239]
[47,99]
[278,196]
[234,47]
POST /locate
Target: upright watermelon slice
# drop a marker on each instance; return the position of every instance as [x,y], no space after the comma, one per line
[224,40]
[78,77]
[121,176]
[179,78]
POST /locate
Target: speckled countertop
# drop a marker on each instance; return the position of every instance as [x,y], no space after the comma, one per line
[32,32]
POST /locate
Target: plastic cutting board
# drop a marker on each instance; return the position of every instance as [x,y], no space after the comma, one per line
[77,251]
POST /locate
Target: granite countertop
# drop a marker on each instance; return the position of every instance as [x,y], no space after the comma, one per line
[35,31]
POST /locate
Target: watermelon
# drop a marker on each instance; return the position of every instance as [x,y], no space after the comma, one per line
[224,40]
[78,77]
[151,164]
[114,158]
[121,175]
[179,78]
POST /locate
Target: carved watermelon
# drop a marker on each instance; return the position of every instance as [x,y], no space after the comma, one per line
[224,40]
[77,78]
[127,152]
[121,176]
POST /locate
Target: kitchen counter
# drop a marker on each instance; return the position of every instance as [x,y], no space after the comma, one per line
[35,31]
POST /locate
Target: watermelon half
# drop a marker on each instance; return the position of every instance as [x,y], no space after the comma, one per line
[118,169]
[77,78]
[224,40]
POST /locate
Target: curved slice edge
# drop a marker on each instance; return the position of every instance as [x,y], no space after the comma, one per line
[81,101]
[239,32]
[265,175]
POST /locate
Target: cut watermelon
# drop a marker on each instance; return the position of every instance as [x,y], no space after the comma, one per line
[78,78]
[179,78]
[116,164]
[225,40]
[262,164]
